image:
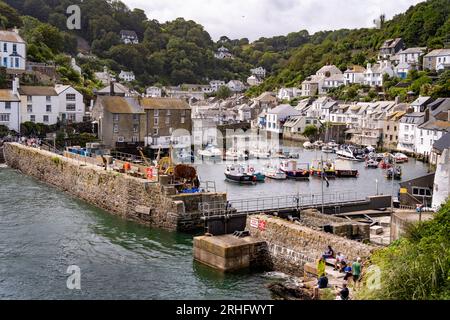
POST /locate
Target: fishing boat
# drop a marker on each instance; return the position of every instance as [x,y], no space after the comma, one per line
[344,170]
[394,172]
[274,173]
[387,161]
[400,158]
[237,173]
[293,171]
[210,151]
[328,168]
[372,164]
[350,153]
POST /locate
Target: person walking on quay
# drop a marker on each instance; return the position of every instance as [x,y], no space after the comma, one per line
[356,271]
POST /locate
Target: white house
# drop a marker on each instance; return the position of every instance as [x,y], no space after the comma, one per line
[236,85]
[10,108]
[437,124]
[289,93]
[411,55]
[437,60]
[253,81]
[39,104]
[223,53]
[127,76]
[259,72]
[407,131]
[153,92]
[276,117]
[315,84]
[216,84]
[129,37]
[441,188]
[12,50]
[374,73]
[354,74]
[71,104]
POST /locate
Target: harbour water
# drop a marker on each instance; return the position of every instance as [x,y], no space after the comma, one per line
[369,182]
[44,231]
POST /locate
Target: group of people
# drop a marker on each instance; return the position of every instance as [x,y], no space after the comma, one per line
[352,269]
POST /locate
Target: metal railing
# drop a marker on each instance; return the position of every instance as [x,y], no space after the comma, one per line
[268,204]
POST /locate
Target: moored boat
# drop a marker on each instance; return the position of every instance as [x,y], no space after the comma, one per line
[293,171]
[350,153]
[328,169]
[372,163]
[274,173]
[394,172]
[238,174]
[210,151]
[400,158]
[344,170]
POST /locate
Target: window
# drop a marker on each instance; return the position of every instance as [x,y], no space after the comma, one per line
[167,120]
[156,121]
[421,140]
[4,117]
[155,131]
[5,62]
[156,113]
[7,105]
[29,98]
[120,139]
[421,133]
[5,47]
[14,48]
[45,119]
[71,117]
[70,97]
[135,117]
[170,130]
[70,107]
[387,127]
[116,117]
[29,108]
[135,139]
[17,63]
[135,128]
[182,119]
[33,118]
[168,113]
[183,113]
[422,192]
[116,128]
[48,108]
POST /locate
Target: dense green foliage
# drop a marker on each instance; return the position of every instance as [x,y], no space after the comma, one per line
[181,51]
[418,265]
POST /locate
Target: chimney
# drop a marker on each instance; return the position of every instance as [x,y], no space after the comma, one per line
[15,85]
[15,29]
[111,88]
[397,100]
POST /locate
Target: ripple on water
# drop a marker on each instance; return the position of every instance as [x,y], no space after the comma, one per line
[43,231]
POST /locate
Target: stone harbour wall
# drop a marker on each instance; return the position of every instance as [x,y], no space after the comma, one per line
[290,245]
[131,198]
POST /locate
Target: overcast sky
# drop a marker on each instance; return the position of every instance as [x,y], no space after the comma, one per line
[265,18]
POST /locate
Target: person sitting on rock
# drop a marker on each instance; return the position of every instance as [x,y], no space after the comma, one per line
[340,261]
[344,293]
[322,283]
[329,253]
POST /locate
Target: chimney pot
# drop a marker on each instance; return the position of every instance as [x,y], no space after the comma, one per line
[111,88]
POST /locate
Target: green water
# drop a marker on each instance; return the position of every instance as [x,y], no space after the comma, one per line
[43,231]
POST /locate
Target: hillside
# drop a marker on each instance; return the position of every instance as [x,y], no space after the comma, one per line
[182,51]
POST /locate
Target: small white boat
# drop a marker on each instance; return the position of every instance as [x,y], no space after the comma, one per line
[260,154]
[238,173]
[234,154]
[210,151]
[349,153]
[372,163]
[327,149]
[274,173]
[308,145]
[400,158]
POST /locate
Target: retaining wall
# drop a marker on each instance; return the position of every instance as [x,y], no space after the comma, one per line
[290,246]
[126,196]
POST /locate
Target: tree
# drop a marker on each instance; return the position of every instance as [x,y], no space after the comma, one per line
[224,92]
[9,17]
[311,132]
